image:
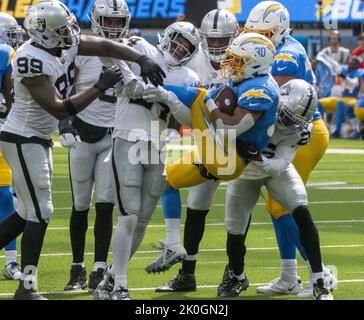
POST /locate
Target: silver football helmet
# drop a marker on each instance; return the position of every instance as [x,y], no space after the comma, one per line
[110,19]
[297,104]
[218,30]
[10,32]
[52,25]
[179,43]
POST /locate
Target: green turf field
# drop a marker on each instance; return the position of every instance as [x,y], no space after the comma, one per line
[336,193]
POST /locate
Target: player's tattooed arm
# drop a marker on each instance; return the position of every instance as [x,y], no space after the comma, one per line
[62,107]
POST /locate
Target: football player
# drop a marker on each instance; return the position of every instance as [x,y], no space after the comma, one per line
[298,102]
[138,180]
[11,36]
[46,64]
[88,160]
[271,18]
[247,66]
[218,29]
[352,83]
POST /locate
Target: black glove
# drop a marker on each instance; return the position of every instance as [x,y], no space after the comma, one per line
[150,70]
[4,111]
[68,135]
[108,78]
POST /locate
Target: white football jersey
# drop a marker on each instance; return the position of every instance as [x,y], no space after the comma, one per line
[282,148]
[27,118]
[201,64]
[100,112]
[134,117]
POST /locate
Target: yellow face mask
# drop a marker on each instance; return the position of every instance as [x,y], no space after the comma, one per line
[269,33]
[233,67]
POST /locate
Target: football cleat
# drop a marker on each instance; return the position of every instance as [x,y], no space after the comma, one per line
[78,279]
[170,256]
[12,271]
[320,292]
[182,282]
[22,294]
[330,282]
[120,294]
[105,287]
[279,286]
[228,273]
[95,278]
[232,286]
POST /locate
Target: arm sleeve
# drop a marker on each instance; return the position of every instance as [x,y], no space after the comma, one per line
[286,64]
[179,110]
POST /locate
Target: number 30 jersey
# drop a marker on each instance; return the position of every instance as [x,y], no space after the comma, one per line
[27,118]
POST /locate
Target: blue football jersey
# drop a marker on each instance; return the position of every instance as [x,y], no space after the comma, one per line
[6,55]
[359,73]
[259,94]
[291,60]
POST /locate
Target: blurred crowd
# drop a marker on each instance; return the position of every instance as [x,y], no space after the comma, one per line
[340,82]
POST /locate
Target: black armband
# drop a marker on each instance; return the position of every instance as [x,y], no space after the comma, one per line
[70,107]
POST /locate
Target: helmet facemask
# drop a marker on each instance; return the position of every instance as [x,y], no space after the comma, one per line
[215,46]
[114,27]
[269,33]
[69,34]
[289,120]
[233,66]
[15,37]
[178,50]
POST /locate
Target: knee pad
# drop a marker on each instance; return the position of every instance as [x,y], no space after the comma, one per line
[127,223]
[158,186]
[132,175]
[81,203]
[307,228]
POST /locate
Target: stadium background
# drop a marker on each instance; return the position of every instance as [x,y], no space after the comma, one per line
[150,16]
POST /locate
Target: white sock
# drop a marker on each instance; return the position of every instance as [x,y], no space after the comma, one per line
[99,265]
[316,276]
[121,247]
[172,231]
[289,270]
[10,256]
[82,264]
[190,257]
[353,124]
[240,277]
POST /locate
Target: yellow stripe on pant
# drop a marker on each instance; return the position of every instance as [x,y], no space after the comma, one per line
[329,104]
[216,154]
[5,172]
[306,159]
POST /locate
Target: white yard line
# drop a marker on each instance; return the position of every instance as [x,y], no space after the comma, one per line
[153,288]
[216,224]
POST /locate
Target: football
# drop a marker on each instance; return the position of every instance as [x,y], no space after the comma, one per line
[227,101]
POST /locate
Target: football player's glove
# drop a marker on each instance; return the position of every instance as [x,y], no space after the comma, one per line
[133,89]
[4,111]
[158,94]
[150,70]
[108,78]
[68,135]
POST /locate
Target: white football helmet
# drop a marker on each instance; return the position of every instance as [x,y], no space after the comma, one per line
[116,9]
[218,30]
[174,52]
[250,55]
[52,25]
[297,104]
[10,32]
[271,19]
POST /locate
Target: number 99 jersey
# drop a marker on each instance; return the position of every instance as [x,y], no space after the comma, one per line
[27,118]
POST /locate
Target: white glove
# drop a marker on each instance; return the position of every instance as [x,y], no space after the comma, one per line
[69,138]
[133,89]
[158,94]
